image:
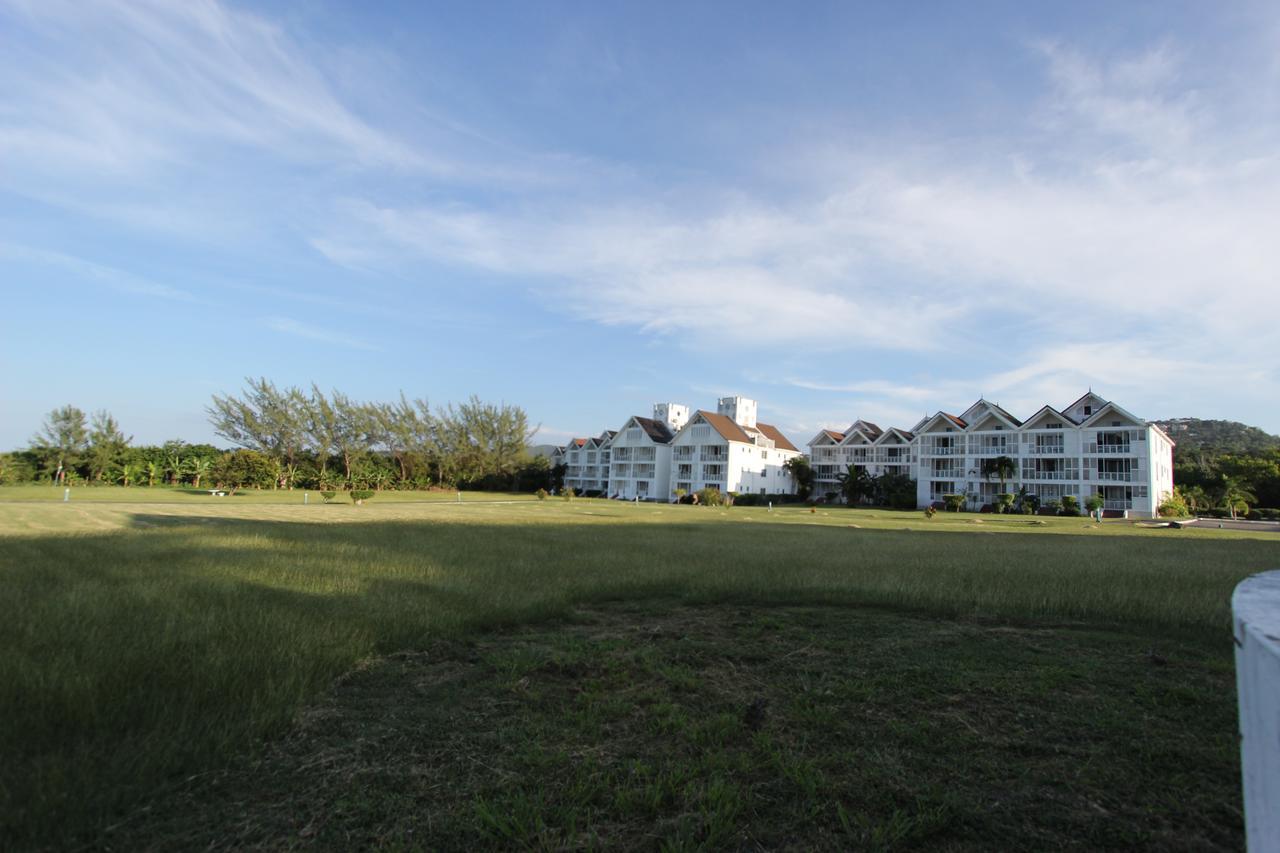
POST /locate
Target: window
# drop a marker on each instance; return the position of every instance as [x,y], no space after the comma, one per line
[1053,425]
[1088,410]
[1115,423]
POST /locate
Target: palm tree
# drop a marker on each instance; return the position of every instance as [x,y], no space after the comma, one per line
[855,484]
[173,467]
[801,473]
[1235,495]
[1000,467]
[153,471]
[197,467]
[1194,497]
[128,473]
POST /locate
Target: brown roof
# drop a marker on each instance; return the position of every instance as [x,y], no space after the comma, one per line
[656,430]
[779,440]
[726,426]
[953,419]
[838,436]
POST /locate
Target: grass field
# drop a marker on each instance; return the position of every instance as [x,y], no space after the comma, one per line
[155,657]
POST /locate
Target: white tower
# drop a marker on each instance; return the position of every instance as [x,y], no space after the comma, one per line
[673,415]
[742,410]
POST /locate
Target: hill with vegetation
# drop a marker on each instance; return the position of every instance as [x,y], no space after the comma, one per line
[1221,436]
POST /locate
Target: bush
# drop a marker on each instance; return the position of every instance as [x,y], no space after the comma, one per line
[1094,502]
[710,496]
[568,493]
[542,494]
[954,503]
[1173,507]
[747,499]
[929,511]
[328,496]
[1003,502]
[359,496]
[1070,506]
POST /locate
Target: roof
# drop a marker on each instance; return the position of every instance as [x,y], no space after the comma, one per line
[779,440]
[1003,412]
[957,421]
[835,436]
[873,429]
[656,430]
[726,426]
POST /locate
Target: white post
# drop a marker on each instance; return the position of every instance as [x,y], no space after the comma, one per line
[1255,610]
[459,497]
[66,495]
[305,497]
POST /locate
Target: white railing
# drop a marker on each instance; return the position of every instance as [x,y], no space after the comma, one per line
[1117,504]
[1045,450]
[1116,476]
[1255,617]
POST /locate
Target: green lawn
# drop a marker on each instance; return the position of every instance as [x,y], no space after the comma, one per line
[143,645]
[192,495]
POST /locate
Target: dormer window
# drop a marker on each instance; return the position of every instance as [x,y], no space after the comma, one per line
[1088,410]
[1115,423]
[999,427]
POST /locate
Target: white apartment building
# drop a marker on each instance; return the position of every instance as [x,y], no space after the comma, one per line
[863,445]
[731,451]
[1092,446]
[640,454]
[587,463]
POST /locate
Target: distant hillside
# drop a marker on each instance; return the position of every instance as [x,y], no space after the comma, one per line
[1223,436]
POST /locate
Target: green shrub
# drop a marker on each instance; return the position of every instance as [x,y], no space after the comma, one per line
[1003,502]
[542,494]
[954,503]
[710,496]
[328,496]
[1173,507]
[568,493]
[1094,502]
[1070,506]
[929,511]
[359,496]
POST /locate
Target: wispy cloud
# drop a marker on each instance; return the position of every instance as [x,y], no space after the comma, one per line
[89,271]
[297,329]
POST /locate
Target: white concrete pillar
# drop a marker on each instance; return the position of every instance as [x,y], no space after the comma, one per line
[1255,608]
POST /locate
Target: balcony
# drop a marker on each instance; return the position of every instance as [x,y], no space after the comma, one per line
[1109,448]
[1117,476]
[685,452]
[714,452]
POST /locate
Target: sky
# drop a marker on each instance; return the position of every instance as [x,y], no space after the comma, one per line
[843,210]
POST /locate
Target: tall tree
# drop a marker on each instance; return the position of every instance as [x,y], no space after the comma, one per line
[265,418]
[62,440]
[1002,468]
[106,444]
[801,474]
[855,484]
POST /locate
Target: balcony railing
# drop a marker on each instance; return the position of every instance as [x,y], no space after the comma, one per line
[1117,476]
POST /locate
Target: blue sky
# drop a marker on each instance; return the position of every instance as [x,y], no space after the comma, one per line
[843,210]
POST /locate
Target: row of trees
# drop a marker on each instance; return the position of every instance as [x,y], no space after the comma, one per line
[288,438]
[475,443]
[1232,481]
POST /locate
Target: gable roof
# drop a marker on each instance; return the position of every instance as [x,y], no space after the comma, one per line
[1050,410]
[657,431]
[726,426]
[828,434]
[951,419]
[903,434]
[991,408]
[1111,407]
[780,441]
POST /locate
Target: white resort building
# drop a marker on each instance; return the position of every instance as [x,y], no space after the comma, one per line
[730,450]
[1091,446]
[650,458]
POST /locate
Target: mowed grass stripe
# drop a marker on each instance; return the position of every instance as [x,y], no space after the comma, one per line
[137,656]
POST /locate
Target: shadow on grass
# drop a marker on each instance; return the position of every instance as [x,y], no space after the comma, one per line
[130,660]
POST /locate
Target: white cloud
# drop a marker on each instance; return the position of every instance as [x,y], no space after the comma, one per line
[297,329]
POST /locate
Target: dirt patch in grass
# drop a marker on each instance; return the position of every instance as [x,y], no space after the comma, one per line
[647,726]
